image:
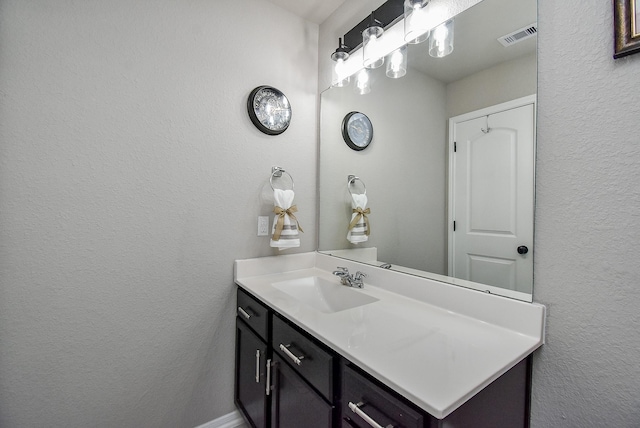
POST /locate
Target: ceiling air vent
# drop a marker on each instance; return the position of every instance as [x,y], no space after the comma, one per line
[519,35]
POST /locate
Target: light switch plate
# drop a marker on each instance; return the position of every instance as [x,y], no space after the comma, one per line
[263,225]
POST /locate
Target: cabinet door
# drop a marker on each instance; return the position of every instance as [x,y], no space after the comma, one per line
[251,369]
[294,403]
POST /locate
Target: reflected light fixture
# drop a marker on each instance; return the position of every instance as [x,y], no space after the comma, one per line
[371,44]
[397,63]
[338,78]
[441,40]
[416,24]
[362,84]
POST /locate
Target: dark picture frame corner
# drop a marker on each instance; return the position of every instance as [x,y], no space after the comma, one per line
[626,27]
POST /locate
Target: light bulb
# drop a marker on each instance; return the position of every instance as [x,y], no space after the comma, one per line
[338,73]
[440,33]
[416,22]
[339,80]
[396,58]
[397,65]
[371,57]
[441,40]
[362,85]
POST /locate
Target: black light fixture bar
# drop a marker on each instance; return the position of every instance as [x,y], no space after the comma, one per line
[387,14]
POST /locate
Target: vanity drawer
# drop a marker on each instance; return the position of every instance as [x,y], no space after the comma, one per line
[372,401]
[254,313]
[306,357]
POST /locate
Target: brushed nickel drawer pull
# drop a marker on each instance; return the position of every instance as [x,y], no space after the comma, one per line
[268,389]
[257,366]
[355,408]
[297,360]
[243,313]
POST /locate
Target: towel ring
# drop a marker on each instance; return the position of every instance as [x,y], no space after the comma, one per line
[276,171]
[351,179]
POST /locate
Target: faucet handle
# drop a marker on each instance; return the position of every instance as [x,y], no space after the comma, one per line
[359,275]
[341,272]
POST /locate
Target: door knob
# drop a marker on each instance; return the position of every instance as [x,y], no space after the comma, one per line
[522,249]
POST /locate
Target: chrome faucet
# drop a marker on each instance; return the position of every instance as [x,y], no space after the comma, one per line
[351,280]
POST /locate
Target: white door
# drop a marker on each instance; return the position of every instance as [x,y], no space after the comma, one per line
[492,195]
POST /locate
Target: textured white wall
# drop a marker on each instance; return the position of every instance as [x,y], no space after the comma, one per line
[504,82]
[587,221]
[130,179]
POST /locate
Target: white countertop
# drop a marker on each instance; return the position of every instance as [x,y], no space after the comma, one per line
[434,343]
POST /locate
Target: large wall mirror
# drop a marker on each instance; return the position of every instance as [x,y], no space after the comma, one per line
[413,176]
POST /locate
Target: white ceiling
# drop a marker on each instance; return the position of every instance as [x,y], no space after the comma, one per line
[312,10]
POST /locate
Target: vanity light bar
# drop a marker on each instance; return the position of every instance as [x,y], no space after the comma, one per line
[387,14]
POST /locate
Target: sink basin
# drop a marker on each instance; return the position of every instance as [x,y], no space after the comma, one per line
[323,295]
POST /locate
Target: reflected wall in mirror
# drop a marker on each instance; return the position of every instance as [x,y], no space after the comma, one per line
[406,166]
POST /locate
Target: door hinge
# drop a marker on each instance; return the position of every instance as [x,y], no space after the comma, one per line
[454,225]
[455,147]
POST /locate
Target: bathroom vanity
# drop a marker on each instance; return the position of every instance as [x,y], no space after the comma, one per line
[401,352]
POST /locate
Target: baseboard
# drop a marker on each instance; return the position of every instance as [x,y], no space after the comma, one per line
[230,420]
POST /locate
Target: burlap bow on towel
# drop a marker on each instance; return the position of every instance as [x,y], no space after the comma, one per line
[359,227]
[285,224]
[282,213]
[361,214]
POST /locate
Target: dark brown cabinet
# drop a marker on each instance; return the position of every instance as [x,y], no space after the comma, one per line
[285,378]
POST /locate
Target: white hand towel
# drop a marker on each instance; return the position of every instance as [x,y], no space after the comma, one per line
[285,236]
[359,227]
